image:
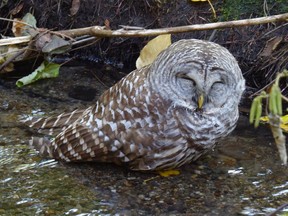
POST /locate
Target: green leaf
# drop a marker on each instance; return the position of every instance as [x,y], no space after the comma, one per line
[29,29]
[45,70]
[30,19]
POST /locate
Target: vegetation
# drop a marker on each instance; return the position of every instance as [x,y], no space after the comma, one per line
[274,113]
[236,9]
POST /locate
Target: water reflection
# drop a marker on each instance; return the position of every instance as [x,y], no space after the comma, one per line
[238,171]
[30,186]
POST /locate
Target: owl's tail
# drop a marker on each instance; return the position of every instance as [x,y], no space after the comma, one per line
[43,145]
[49,126]
[54,124]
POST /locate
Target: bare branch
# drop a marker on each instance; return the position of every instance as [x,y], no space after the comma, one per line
[100,31]
[15,40]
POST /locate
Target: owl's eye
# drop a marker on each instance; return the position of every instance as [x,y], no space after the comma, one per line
[217,89]
[218,85]
[185,77]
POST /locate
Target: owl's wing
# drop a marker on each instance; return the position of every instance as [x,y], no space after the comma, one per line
[79,143]
[147,150]
[139,149]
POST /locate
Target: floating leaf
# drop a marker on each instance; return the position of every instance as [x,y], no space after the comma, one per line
[149,53]
[45,70]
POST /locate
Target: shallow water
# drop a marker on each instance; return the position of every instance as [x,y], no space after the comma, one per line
[242,176]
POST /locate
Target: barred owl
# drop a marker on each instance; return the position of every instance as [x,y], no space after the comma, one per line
[156,118]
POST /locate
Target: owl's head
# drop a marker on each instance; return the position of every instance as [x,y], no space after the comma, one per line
[197,75]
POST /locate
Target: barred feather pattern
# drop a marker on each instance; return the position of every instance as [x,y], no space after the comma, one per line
[151,119]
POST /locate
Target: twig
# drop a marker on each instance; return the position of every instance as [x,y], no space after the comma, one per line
[15,40]
[262,89]
[274,30]
[95,40]
[100,31]
[17,21]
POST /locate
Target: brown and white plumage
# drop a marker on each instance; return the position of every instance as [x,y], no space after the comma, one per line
[151,119]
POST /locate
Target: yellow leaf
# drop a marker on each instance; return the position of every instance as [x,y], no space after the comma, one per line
[168,173]
[284,119]
[264,119]
[149,52]
[283,125]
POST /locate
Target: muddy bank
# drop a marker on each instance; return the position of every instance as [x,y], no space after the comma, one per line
[246,43]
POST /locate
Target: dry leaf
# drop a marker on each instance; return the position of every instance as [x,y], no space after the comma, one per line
[21,29]
[17,28]
[149,52]
[8,68]
[17,9]
[43,40]
[107,24]
[75,7]
[271,45]
[6,53]
[57,45]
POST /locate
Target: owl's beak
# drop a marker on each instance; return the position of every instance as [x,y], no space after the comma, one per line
[200,101]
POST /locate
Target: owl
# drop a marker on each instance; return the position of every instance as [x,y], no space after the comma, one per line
[158,117]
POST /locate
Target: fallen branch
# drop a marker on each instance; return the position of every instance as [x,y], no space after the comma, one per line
[15,40]
[100,31]
[55,42]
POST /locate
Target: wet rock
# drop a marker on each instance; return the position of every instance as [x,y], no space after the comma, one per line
[83,93]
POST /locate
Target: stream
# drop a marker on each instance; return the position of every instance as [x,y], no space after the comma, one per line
[241,176]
